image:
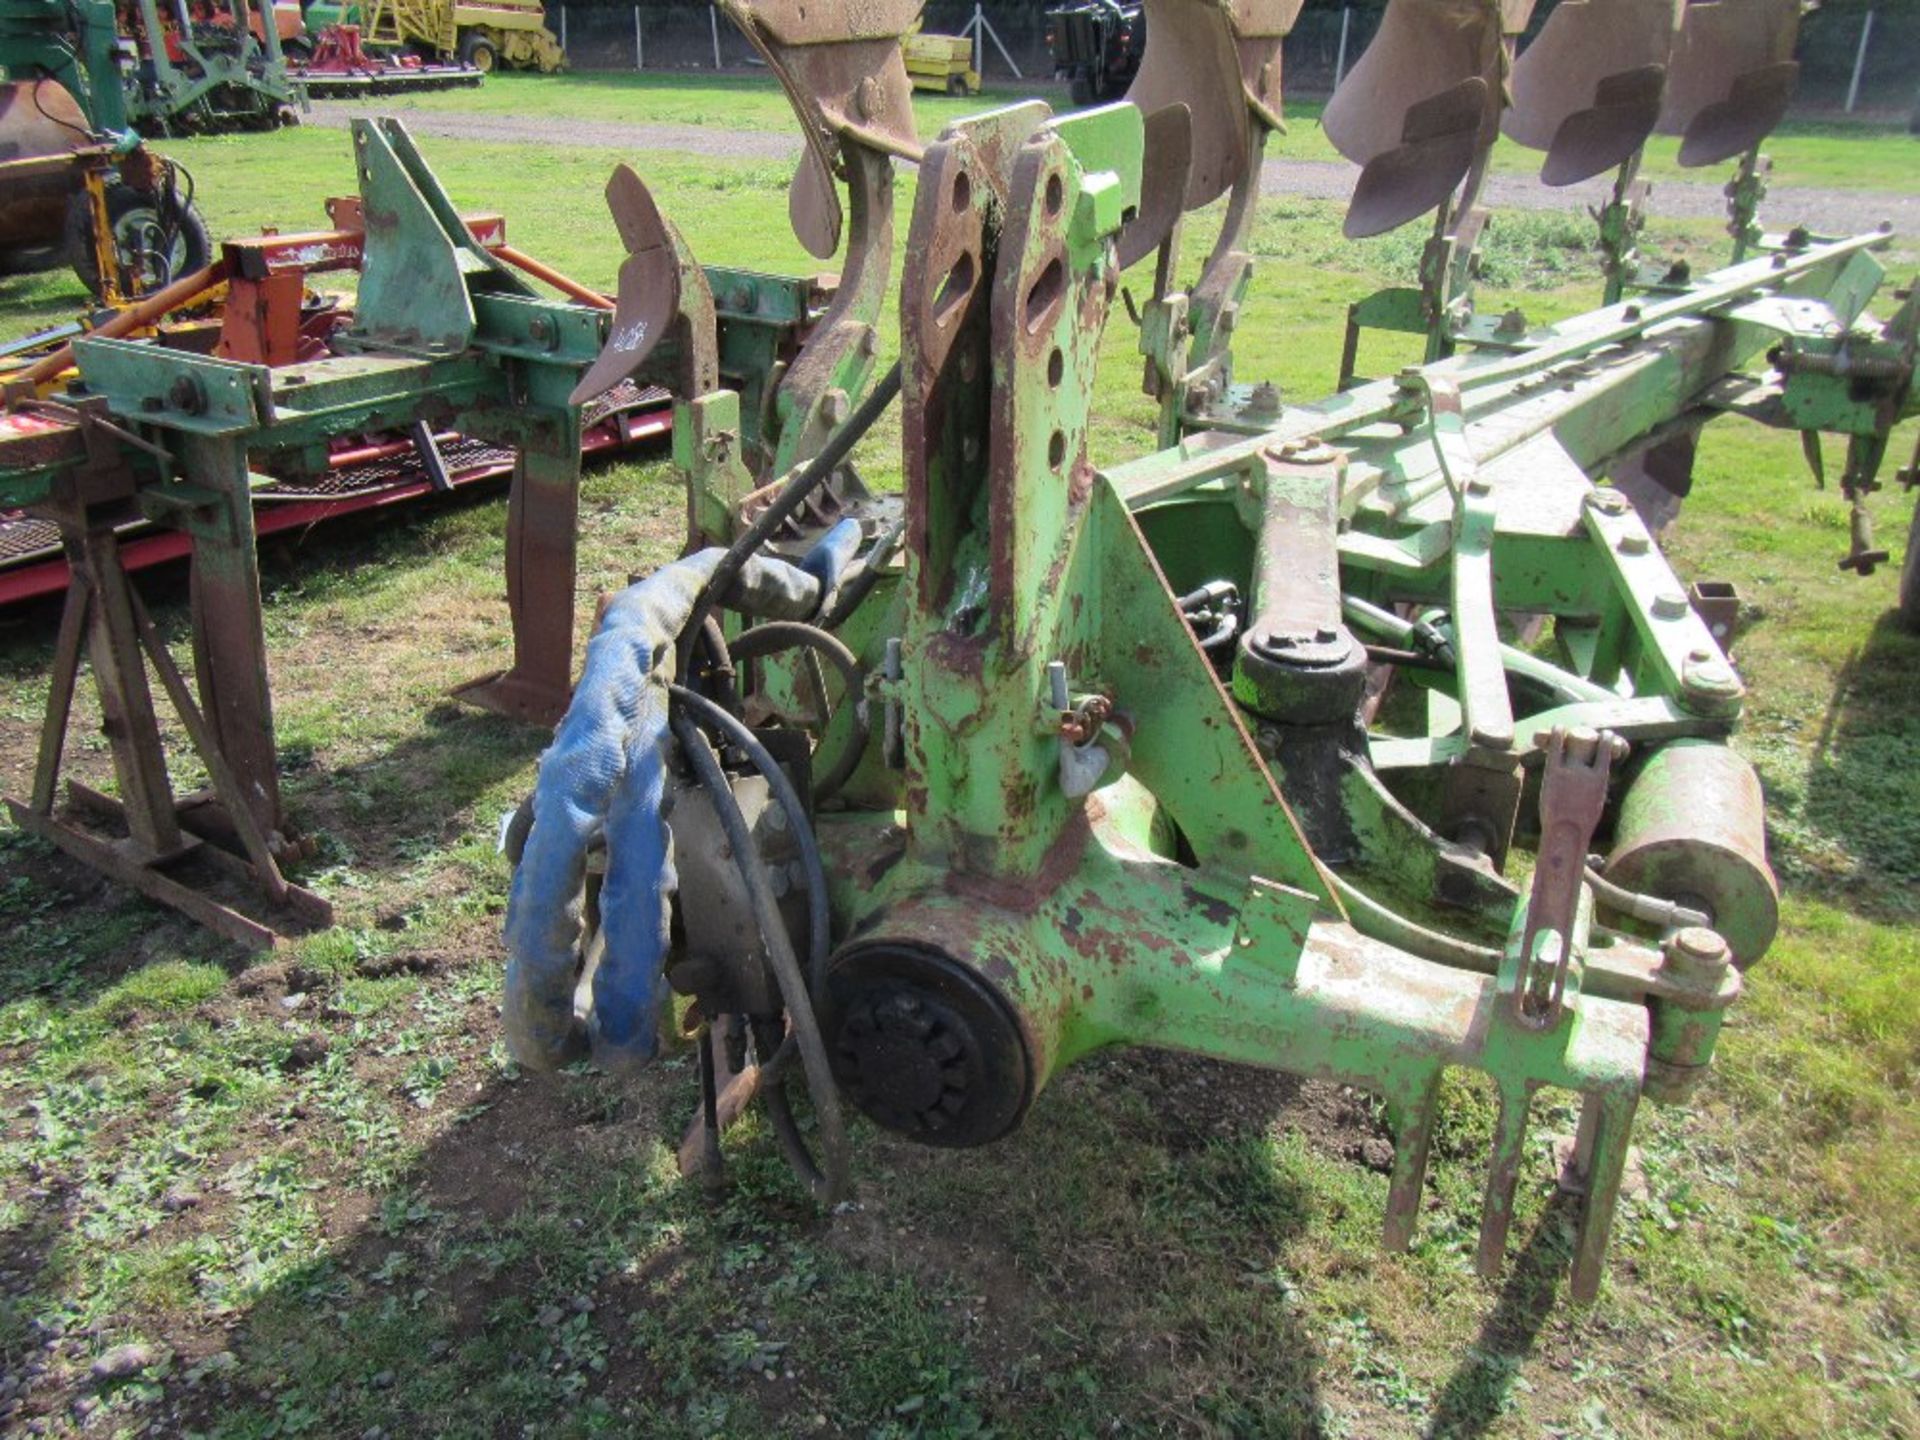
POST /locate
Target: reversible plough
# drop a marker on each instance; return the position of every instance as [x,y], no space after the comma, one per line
[1368,739]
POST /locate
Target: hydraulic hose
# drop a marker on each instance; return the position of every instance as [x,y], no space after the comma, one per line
[602,781]
[735,732]
[778,635]
[798,490]
[827,1181]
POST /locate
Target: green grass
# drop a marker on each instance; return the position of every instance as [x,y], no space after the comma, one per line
[1804,151]
[319,1193]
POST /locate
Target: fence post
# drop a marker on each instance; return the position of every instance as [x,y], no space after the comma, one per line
[985,28]
[563,30]
[1859,62]
[639,45]
[713,19]
[1340,62]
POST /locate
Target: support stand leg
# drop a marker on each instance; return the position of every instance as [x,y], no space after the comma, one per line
[229,642]
[543,515]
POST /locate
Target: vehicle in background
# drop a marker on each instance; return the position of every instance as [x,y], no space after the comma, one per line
[503,34]
[1096,48]
[205,66]
[73,192]
[942,63]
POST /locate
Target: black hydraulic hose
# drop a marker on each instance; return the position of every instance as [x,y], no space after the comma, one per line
[796,492]
[859,582]
[786,1129]
[735,732]
[777,635]
[827,1182]
[718,672]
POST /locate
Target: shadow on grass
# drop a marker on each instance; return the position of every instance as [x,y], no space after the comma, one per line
[1479,1391]
[541,1270]
[1863,784]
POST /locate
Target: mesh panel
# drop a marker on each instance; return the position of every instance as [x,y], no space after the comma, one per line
[22,537]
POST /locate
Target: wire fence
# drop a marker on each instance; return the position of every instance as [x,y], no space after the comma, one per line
[608,35]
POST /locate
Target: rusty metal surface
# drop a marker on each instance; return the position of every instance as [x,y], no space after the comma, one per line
[1573,797]
[1692,828]
[1163,183]
[651,297]
[1259,27]
[1419,175]
[1731,77]
[1588,90]
[845,75]
[1424,49]
[38,119]
[1191,61]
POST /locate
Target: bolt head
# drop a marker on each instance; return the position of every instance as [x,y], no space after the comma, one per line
[1698,953]
[1669,605]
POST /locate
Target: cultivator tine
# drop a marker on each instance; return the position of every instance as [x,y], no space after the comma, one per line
[1419,106]
[1588,90]
[1599,1163]
[648,301]
[1503,1178]
[1732,76]
[1413,1141]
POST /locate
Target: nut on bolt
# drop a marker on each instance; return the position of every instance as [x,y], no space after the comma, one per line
[1697,954]
[1709,679]
[187,396]
[1669,605]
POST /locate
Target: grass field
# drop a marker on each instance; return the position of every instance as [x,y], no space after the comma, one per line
[1804,151]
[317,1199]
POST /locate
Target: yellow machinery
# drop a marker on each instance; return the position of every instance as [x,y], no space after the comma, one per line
[482,33]
[941,62]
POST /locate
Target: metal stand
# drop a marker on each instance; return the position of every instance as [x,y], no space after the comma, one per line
[237,824]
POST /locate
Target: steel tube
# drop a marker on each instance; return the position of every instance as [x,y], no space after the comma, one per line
[133,318]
